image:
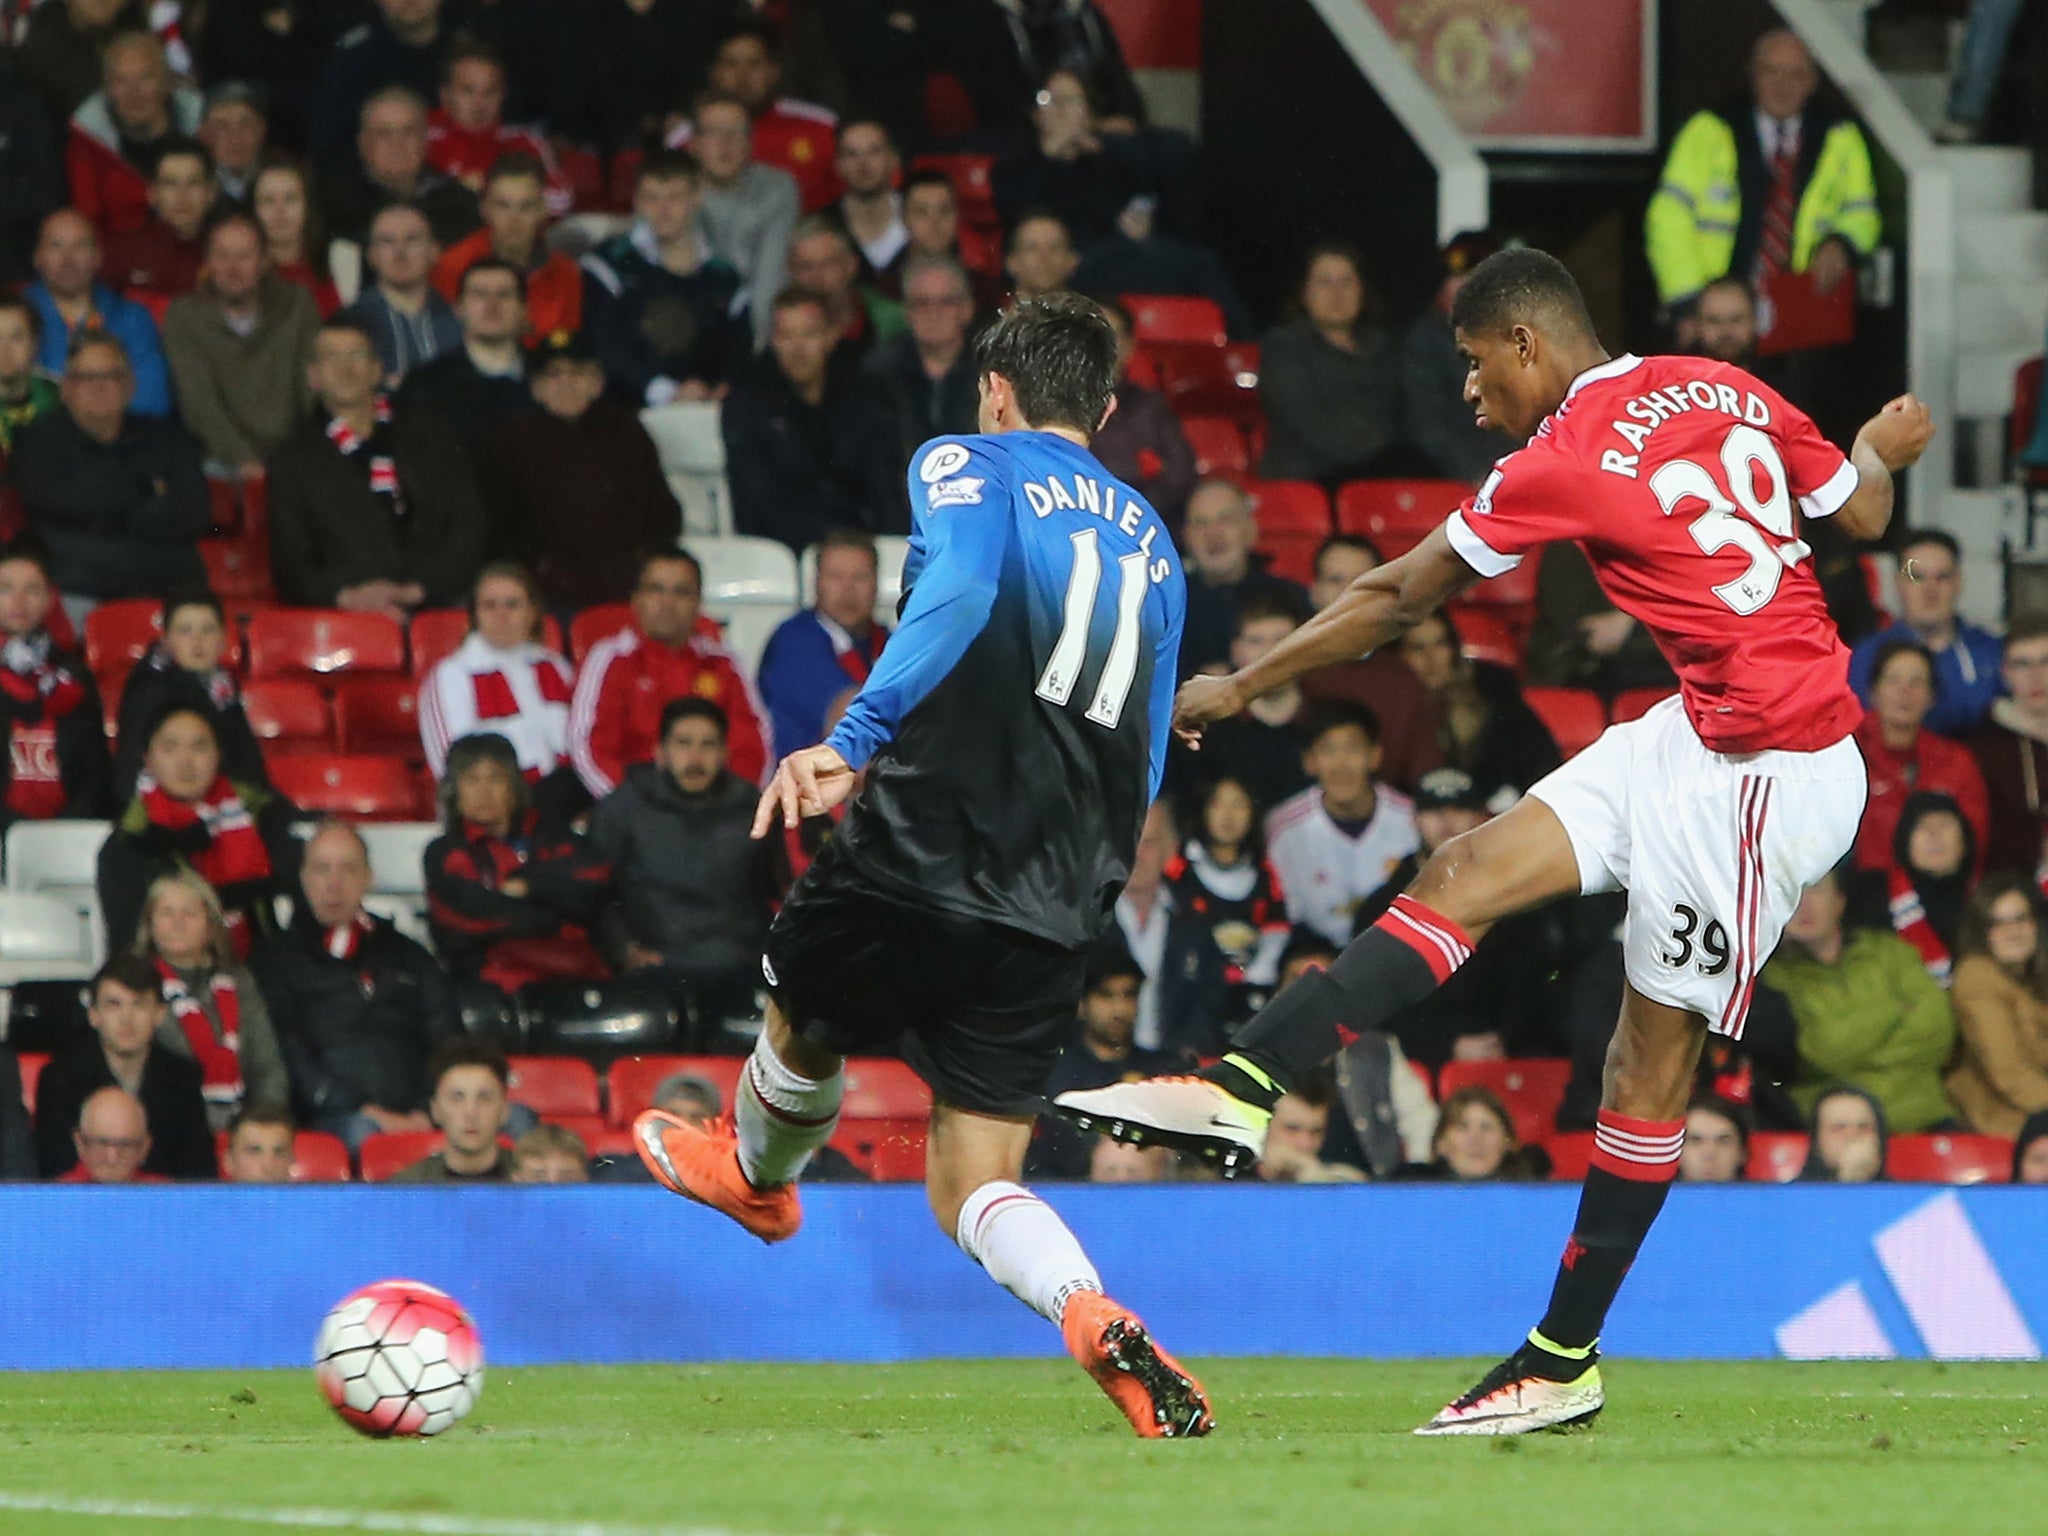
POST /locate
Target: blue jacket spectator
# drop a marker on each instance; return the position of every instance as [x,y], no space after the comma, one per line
[817,656]
[67,256]
[1967,660]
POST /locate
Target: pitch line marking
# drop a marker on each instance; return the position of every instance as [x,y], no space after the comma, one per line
[340,1519]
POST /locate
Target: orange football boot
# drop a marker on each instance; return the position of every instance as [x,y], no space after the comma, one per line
[703,1163]
[1161,1400]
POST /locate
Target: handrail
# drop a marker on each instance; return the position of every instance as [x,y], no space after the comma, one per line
[1931,257]
[1463,196]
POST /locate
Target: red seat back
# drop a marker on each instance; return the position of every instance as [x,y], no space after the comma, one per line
[1488,635]
[2026,404]
[1175,317]
[1531,1088]
[361,788]
[293,642]
[1571,1154]
[887,1149]
[379,716]
[1634,703]
[386,1152]
[598,623]
[973,178]
[631,1080]
[1574,717]
[1218,444]
[553,1086]
[238,570]
[1290,507]
[879,1088]
[318,1158]
[1292,555]
[288,714]
[32,1064]
[1397,514]
[1775,1157]
[435,633]
[1950,1158]
[1205,378]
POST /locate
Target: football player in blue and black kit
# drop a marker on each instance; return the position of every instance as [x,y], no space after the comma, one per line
[1008,743]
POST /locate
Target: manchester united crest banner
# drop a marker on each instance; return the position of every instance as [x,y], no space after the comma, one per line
[1546,75]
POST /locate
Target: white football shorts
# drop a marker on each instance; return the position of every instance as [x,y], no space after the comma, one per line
[1713,850]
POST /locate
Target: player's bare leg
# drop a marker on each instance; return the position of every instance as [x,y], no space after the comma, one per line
[972,1165]
[1554,1378]
[1517,861]
[746,1162]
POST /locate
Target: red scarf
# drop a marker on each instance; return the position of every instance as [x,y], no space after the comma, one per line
[39,691]
[383,468]
[220,1060]
[233,854]
[1909,922]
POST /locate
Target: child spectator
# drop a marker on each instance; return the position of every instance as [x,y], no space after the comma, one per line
[2000,1075]
[55,746]
[260,1146]
[511,895]
[470,1106]
[214,1012]
[1223,880]
[503,679]
[1335,843]
[550,1154]
[187,668]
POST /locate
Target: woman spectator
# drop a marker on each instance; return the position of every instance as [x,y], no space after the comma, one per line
[1846,1138]
[1867,1012]
[187,667]
[511,894]
[2001,1000]
[188,814]
[1330,379]
[1921,895]
[1476,1141]
[2030,1151]
[1223,880]
[1902,757]
[214,1014]
[1488,728]
[502,679]
[1716,1142]
[292,231]
[1142,443]
[55,757]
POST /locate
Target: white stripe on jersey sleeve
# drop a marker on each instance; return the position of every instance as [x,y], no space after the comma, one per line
[1475,551]
[1829,499]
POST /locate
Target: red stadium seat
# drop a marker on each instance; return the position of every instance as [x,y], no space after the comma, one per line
[1775,1157]
[880,1088]
[887,1149]
[318,1158]
[1574,717]
[552,1086]
[1489,636]
[1211,380]
[1634,703]
[289,715]
[238,570]
[379,716]
[1292,555]
[585,1128]
[118,635]
[1571,1154]
[1950,1158]
[611,1142]
[1175,317]
[1218,445]
[1290,507]
[32,1064]
[631,1080]
[595,624]
[362,788]
[1396,514]
[436,632]
[1531,1088]
[2026,405]
[1513,592]
[385,1153]
[973,178]
[225,498]
[293,642]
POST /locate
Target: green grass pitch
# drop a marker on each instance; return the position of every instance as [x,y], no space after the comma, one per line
[972,1448]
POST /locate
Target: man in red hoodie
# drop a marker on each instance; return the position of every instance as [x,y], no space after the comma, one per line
[627,680]
[467,132]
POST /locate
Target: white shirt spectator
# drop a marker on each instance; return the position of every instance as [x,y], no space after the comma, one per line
[1324,870]
[521,694]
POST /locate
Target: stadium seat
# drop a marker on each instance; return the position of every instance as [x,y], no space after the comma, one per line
[1775,1157]
[741,569]
[748,629]
[1949,1158]
[317,1158]
[60,858]
[1290,506]
[1157,317]
[224,497]
[379,717]
[31,1064]
[691,444]
[552,1086]
[1532,1088]
[1396,514]
[1634,703]
[42,937]
[1218,444]
[296,642]
[1571,1154]
[612,1142]
[629,1082]
[1575,717]
[2026,405]
[1292,555]
[1512,593]
[397,852]
[1489,636]
[237,570]
[599,622]
[434,634]
[624,1016]
[888,1149]
[1205,380]
[289,715]
[585,1128]
[385,1153]
[878,1087]
[365,788]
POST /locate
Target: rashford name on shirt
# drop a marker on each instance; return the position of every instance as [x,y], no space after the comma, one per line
[1652,409]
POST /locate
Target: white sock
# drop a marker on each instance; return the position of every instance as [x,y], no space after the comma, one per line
[1025,1247]
[781,1118]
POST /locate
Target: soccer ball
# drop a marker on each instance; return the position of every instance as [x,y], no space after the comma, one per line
[399,1358]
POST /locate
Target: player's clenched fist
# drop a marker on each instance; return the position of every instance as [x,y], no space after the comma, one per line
[806,783]
[1202,699]
[1900,432]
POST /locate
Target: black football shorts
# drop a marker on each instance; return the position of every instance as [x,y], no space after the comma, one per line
[978,1010]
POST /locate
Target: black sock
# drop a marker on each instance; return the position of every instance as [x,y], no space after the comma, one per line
[1393,965]
[1616,1211]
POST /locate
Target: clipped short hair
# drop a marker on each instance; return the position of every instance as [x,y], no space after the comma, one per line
[690,707]
[929,177]
[655,557]
[668,165]
[468,1053]
[127,970]
[1058,355]
[182,144]
[1357,541]
[550,1141]
[1258,606]
[262,1114]
[1337,715]
[517,165]
[490,264]
[1940,538]
[1522,286]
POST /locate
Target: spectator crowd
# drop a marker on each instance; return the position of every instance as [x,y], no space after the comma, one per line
[381,299]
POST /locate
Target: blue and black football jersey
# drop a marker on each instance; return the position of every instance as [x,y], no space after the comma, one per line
[1015,727]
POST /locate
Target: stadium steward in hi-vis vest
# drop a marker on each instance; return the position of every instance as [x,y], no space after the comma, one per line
[1015,730]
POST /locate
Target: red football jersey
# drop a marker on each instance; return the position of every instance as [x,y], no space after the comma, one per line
[1683,481]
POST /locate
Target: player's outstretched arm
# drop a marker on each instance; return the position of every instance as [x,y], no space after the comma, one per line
[1890,441]
[1383,603]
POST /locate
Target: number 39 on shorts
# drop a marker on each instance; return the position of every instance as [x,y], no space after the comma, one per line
[1693,937]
